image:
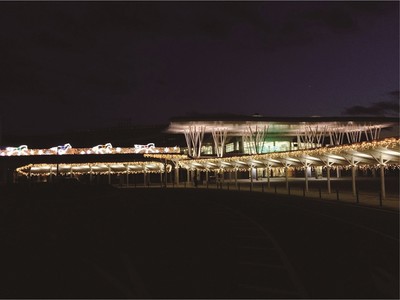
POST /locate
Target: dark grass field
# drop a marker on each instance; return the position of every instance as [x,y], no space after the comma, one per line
[102,242]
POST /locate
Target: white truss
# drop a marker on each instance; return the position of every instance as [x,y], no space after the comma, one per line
[219,136]
[354,133]
[336,136]
[194,137]
[311,136]
[255,137]
[372,132]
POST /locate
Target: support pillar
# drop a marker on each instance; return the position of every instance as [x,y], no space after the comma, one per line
[306,177]
[165,173]
[383,190]
[328,178]
[251,178]
[50,175]
[353,179]
[176,175]
[236,183]
[268,176]
[127,175]
[109,174]
[287,177]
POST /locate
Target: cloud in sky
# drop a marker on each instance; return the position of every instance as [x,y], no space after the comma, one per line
[380,108]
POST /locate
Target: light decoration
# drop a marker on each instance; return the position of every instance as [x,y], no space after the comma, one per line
[366,154]
[150,147]
[101,149]
[277,159]
[166,156]
[60,150]
[103,168]
[20,150]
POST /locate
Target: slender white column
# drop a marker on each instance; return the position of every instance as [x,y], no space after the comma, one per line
[219,137]
[256,137]
[194,138]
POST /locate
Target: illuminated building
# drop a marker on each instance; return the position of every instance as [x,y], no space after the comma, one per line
[226,135]
[252,147]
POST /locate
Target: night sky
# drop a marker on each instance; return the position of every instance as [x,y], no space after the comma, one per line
[76,65]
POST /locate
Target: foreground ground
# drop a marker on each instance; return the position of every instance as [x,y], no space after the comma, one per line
[100,242]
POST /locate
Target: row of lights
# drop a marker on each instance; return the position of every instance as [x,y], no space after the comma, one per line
[98,149]
[138,167]
[389,143]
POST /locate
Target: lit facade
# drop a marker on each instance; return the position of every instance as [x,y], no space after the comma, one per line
[234,135]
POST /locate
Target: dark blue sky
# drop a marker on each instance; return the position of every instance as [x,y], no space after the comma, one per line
[76,65]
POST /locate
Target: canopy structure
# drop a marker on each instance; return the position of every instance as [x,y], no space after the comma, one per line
[385,152]
[376,154]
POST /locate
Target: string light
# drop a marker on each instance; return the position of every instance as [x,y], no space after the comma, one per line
[98,149]
[137,167]
[167,156]
[315,156]
[337,157]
